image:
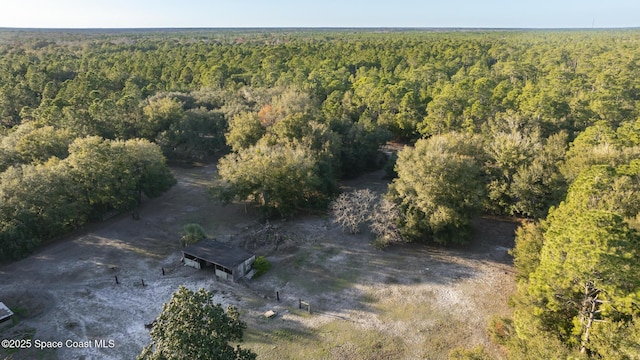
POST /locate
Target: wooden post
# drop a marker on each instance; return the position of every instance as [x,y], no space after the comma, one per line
[142,282]
[117,282]
[162,271]
[308,305]
[277,295]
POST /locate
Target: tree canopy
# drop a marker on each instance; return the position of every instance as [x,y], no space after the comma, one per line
[42,200]
[439,188]
[191,326]
[506,122]
[578,281]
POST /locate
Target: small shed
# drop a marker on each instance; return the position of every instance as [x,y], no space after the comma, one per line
[5,314]
[230,262]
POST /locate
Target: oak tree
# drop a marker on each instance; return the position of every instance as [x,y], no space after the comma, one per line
[191,326]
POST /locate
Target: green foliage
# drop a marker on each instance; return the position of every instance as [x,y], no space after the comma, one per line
[390,166]
[588,255]
[540,345]
[41,201]
[500,329]
[261,266]
[29,143]
[608,188]
[526,253]
[477,353]
[113,175]
[525,93]
[591,246]
[439,188]
[192,233]
[187,126]
[160,111]
[360,148]
[190,326]
[245,130]
[522,167]
[280,178]
[196,136]
[617,340]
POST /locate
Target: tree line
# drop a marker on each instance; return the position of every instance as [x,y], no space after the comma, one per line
[540,125]
[41,200]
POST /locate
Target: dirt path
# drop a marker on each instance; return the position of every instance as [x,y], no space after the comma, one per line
[67,291]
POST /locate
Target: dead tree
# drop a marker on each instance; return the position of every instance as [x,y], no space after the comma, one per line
[352,209]
[589,311]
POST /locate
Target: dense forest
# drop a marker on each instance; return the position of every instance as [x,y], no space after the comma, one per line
[538,125]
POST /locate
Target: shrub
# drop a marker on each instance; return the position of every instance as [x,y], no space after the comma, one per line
[500,329]
[261,266]
[192,234]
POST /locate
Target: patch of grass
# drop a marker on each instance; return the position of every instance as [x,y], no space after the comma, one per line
[500,329]
[327,253]
[334,340]
[438,332]
[301,259]
[255,302]
[20,311]
[320,281]
[282,343]
[305,271]
[346,340]
[405,310]
[477,353]
[288,334]
[391,280]
[443,335]
[369,298]
[299,312]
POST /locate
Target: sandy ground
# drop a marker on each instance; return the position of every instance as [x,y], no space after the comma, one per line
[67,291]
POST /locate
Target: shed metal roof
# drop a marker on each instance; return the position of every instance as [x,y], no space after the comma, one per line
[4,312]
[218,253]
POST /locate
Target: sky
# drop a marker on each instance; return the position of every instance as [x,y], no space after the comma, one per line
[323,13]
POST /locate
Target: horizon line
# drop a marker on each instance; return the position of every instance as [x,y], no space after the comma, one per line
[310,28]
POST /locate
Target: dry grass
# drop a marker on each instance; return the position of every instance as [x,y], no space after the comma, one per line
[408,302]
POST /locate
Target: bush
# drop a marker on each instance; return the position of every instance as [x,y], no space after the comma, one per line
[261,266]
[500,329]
[193,233]
[390,166]
[477,353]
